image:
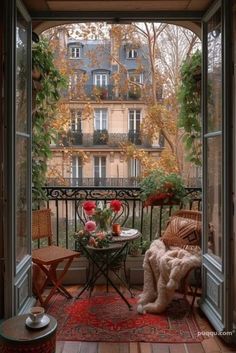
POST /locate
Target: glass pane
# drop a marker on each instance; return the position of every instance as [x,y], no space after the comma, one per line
[214,68]
[214,195]
[22,66]
[97,119]
[131,119]
[104,119]
[138,121]
[22,207]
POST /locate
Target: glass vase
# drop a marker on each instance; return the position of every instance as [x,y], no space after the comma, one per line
[104,225]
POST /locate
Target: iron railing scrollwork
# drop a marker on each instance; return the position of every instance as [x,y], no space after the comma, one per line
[150,221]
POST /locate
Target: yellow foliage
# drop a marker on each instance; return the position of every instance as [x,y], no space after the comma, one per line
[166,161]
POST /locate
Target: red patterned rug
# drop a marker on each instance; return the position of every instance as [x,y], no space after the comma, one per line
[106,318]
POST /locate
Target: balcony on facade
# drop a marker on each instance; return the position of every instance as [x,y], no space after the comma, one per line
[99,181]
[109,93]
[103,138]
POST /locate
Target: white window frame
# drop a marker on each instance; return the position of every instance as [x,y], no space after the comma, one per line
[135,112]
[74,52]
[135,168]
[131,53]
[100,158]
[136,77]
[100,115]
[76,121]
[100,79]
[78,165]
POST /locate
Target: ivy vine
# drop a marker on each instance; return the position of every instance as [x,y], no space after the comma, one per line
[190,106]
[47,88]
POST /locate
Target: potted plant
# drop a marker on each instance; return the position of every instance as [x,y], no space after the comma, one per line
[160,188]
[100,92]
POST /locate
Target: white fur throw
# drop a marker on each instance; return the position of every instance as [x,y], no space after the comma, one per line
[163,270]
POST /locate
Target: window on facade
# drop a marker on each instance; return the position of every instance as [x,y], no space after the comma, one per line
[100,119]
[100,79]
[76,170]
[132,53]
[76,121]
[134,120]
[134,168]
[99,167]
[136,77]
[74,52]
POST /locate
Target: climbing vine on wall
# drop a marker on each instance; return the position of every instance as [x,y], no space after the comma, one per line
[190,106]
[48,83]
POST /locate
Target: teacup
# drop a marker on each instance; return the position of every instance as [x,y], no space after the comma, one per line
[36,313]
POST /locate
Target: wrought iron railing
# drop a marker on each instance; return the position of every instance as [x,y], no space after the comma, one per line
[112,93]
[102,137]
[134,136]
[151,220]
[109,92]
[87,182]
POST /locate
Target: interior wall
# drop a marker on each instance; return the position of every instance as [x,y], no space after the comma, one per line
[1,160]
[234,112]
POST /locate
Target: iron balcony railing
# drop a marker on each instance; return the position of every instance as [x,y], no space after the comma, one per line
[134,136]
[109,92]
[102,138]
[81,181]
[150,221]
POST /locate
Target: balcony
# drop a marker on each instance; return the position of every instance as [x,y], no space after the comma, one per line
[105,182]
[106,93]
[134,136]
[102,137]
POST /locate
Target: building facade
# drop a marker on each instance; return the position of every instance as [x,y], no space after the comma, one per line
[117,109]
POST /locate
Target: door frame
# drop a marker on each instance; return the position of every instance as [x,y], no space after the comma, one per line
[217,293]
[171,16]
[17,277]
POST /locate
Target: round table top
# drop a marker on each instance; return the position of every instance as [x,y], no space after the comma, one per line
[118,241]
[127,234]
[15,329]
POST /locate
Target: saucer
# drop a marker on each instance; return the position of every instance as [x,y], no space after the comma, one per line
[44,322]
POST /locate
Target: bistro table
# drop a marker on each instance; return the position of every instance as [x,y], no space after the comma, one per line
[104,260]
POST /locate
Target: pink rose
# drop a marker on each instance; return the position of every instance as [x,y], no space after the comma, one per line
[115,205]
[92,242]
[100,236]
[90,226]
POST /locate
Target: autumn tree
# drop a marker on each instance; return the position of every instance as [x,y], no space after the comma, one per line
[168,46]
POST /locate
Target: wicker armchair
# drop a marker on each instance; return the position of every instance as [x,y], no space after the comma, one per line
[191,283]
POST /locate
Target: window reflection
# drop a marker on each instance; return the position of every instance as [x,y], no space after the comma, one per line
[214,195]
[21,74]
[214,66]
[22,141]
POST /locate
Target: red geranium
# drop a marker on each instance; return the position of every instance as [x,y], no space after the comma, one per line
[89,207]
[115,205]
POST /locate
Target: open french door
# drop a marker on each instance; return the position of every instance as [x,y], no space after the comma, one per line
[17,220]
[217,298]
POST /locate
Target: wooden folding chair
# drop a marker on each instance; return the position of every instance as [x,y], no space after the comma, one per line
[48,258]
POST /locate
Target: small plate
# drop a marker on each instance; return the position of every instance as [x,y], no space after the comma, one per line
[44,322]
